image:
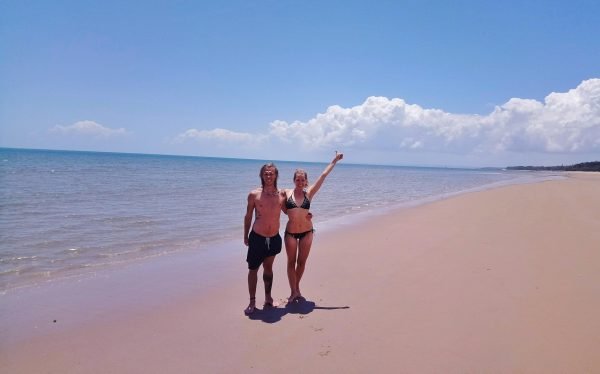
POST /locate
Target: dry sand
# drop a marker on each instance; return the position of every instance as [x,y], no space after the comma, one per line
[498,281]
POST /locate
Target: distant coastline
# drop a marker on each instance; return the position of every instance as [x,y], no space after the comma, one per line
[584,166]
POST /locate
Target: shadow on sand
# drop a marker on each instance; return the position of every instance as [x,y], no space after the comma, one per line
[299,306]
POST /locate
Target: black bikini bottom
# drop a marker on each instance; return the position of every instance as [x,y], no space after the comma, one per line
[298,235]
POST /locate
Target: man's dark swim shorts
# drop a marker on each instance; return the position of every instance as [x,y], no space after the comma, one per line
[260,247]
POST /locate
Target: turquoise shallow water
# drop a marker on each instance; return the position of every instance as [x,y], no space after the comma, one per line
[64,212]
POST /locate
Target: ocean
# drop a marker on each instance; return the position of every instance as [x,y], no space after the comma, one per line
[68,213]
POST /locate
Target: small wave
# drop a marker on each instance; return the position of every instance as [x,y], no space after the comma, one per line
[70,252]
[17,258]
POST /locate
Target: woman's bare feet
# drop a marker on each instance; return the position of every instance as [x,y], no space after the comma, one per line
[293,297]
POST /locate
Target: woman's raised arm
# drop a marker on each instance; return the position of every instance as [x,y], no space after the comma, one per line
[312,190]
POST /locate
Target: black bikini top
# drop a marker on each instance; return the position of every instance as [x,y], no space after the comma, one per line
[290,203]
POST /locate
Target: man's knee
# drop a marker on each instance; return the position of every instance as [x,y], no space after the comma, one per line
[268,265]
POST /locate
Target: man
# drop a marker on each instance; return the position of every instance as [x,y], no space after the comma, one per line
[264,241]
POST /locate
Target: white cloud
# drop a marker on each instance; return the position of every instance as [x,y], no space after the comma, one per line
[566,122]
[88,128]
[221,136]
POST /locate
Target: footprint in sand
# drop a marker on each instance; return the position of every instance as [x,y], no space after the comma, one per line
[326,352]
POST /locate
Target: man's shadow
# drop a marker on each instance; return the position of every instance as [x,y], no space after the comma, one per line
[299,306]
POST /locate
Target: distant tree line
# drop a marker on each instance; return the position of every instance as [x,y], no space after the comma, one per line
[584,166]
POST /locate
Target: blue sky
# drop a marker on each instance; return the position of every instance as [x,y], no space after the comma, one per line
[460,83]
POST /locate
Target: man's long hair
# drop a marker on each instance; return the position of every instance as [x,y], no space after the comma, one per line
[262,170]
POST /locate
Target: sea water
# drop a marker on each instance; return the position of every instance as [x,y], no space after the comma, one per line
[64,213]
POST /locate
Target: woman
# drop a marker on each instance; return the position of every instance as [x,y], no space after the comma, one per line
[299,229]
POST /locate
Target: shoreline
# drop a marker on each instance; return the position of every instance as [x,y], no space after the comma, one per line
[358,216]
[497,280]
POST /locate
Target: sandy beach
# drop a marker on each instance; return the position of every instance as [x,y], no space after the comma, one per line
[498,281]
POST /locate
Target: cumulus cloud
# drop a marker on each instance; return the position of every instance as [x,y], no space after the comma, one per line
[88,128]
[567,122]
[564,122]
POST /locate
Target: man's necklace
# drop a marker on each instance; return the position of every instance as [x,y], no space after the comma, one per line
[269,193]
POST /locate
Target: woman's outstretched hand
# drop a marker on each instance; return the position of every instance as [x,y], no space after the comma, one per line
[338,156]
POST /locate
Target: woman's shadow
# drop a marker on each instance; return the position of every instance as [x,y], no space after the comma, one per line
[301,306]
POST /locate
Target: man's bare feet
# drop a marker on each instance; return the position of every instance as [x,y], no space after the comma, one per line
[251,307]
[268,302]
